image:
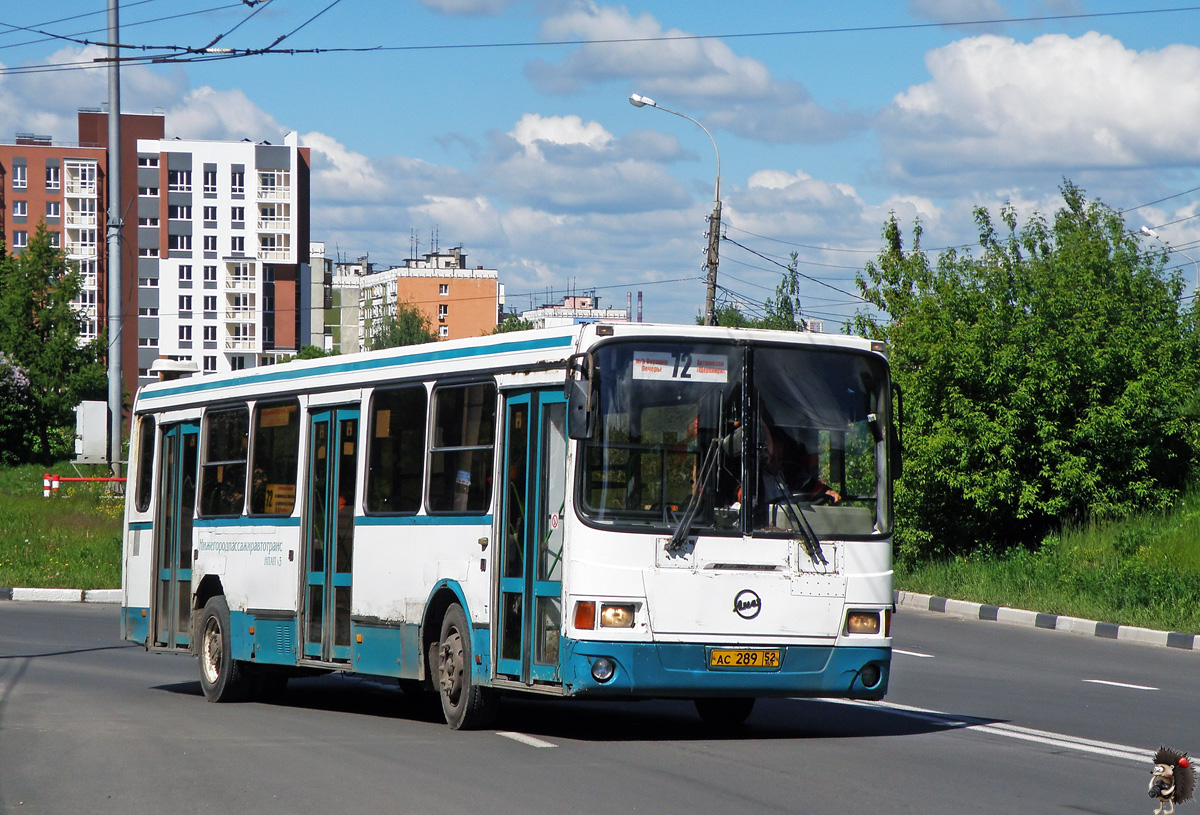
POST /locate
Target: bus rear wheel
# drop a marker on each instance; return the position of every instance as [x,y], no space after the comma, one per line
[223,678]
[722,711]
[466,706]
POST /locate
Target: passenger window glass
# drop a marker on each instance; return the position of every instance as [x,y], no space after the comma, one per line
[276,452]
[397,450]
[460,462]
[145,463]
[223,473]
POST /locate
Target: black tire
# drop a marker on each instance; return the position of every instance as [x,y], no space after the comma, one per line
[223,678]
[725,711]
[465,705]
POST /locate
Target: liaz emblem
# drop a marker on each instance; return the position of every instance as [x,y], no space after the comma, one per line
[747,604]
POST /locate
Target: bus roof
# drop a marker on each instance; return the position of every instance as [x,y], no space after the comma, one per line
[532,349]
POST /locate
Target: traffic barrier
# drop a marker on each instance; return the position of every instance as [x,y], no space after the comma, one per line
[52,482]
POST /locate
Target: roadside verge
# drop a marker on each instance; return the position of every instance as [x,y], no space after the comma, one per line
[1051,622]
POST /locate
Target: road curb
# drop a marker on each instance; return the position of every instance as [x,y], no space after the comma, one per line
[62,595]
[1049,622]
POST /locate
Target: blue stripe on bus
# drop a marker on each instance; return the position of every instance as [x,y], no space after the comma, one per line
[283,520]
[199,384]
[423,520]
[141,525]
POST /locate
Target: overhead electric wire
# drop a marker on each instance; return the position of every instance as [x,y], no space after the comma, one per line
[782,266]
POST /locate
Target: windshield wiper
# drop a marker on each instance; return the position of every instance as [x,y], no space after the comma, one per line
[795,516]
[689,512]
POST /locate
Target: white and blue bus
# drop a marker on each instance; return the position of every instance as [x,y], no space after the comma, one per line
[600,511]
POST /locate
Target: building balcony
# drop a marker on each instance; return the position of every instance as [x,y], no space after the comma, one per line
[75,186]
[276,253]
[239,344]
[276,193]
[241,315]
[80,219]
[241,284]
[77,250]
[276,224]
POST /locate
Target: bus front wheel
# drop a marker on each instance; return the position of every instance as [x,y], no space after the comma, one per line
[466,706]
[222,678]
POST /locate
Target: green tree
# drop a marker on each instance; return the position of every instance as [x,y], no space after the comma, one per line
[1049,378]
[39,331]
[312,352]
[512,322]
[782,312]
[408,327]
[16,413]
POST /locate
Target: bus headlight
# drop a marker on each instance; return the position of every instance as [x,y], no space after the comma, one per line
[603,669]
[617,616]
[862,622]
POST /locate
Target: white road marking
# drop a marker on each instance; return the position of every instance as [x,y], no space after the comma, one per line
[1011,731]
[1119,684]
[532,741]
[912,653]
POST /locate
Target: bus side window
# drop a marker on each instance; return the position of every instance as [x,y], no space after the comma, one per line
[397,450]
[145,463]
[460,461]
[223,471]
[276,453]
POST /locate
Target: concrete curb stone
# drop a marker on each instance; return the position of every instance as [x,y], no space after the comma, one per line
[62,595]
[1053,622]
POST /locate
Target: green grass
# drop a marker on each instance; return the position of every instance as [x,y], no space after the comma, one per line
[1142,571]
[72,540]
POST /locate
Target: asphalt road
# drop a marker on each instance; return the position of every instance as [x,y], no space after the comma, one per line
[981,717]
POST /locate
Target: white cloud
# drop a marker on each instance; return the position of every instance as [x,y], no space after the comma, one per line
[1055,103]
[206,113]
[467,7]
[533,129]
[739,93]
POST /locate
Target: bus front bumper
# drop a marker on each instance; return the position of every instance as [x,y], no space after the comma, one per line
[683,670]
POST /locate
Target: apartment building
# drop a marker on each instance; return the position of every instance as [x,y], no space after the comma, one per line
[573,310]
[458,301]
[223,248]
[65,185]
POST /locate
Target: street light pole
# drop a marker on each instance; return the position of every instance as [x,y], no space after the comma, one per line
[1147,231]
[714,221]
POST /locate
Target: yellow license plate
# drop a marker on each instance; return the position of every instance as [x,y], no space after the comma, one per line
[743,658]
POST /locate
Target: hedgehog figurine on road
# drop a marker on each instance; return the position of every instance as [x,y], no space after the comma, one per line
[1173,779]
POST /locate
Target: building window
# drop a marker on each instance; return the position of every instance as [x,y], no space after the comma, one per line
[147,222]
[179,212]
[53,179]
[444,289]
[148,342]
[443,331]
[210,243]
[237,182]
[210,364]
[151,311]
[237,214]
[185,272]
[237,244]
[210,302]
[53,209]
[20,209]
[55,238]
[148,192]
[20,179]
[185,302]
[179,180]
[185,333]
[148,252]
[20,239]
[210,180]
[210,213]
[148,282]
[210,333]
[237,363]
[179,243]
[210,274]
[147,161]
[443,311]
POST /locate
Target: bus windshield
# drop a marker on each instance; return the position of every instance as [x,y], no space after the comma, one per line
[756,440]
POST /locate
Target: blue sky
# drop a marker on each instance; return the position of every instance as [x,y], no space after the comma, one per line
[504,125]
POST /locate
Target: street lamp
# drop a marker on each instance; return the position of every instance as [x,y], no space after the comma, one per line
[714,222]
[1147,231]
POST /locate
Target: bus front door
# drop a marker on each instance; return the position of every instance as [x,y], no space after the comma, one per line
[178,460]
[329,533]
[530,607]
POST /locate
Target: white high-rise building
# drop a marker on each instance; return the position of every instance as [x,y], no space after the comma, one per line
[223,273]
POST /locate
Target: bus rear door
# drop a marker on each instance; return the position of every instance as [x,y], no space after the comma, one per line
[179,458]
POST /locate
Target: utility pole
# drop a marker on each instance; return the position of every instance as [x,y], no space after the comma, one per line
[114,243]
[714,243]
